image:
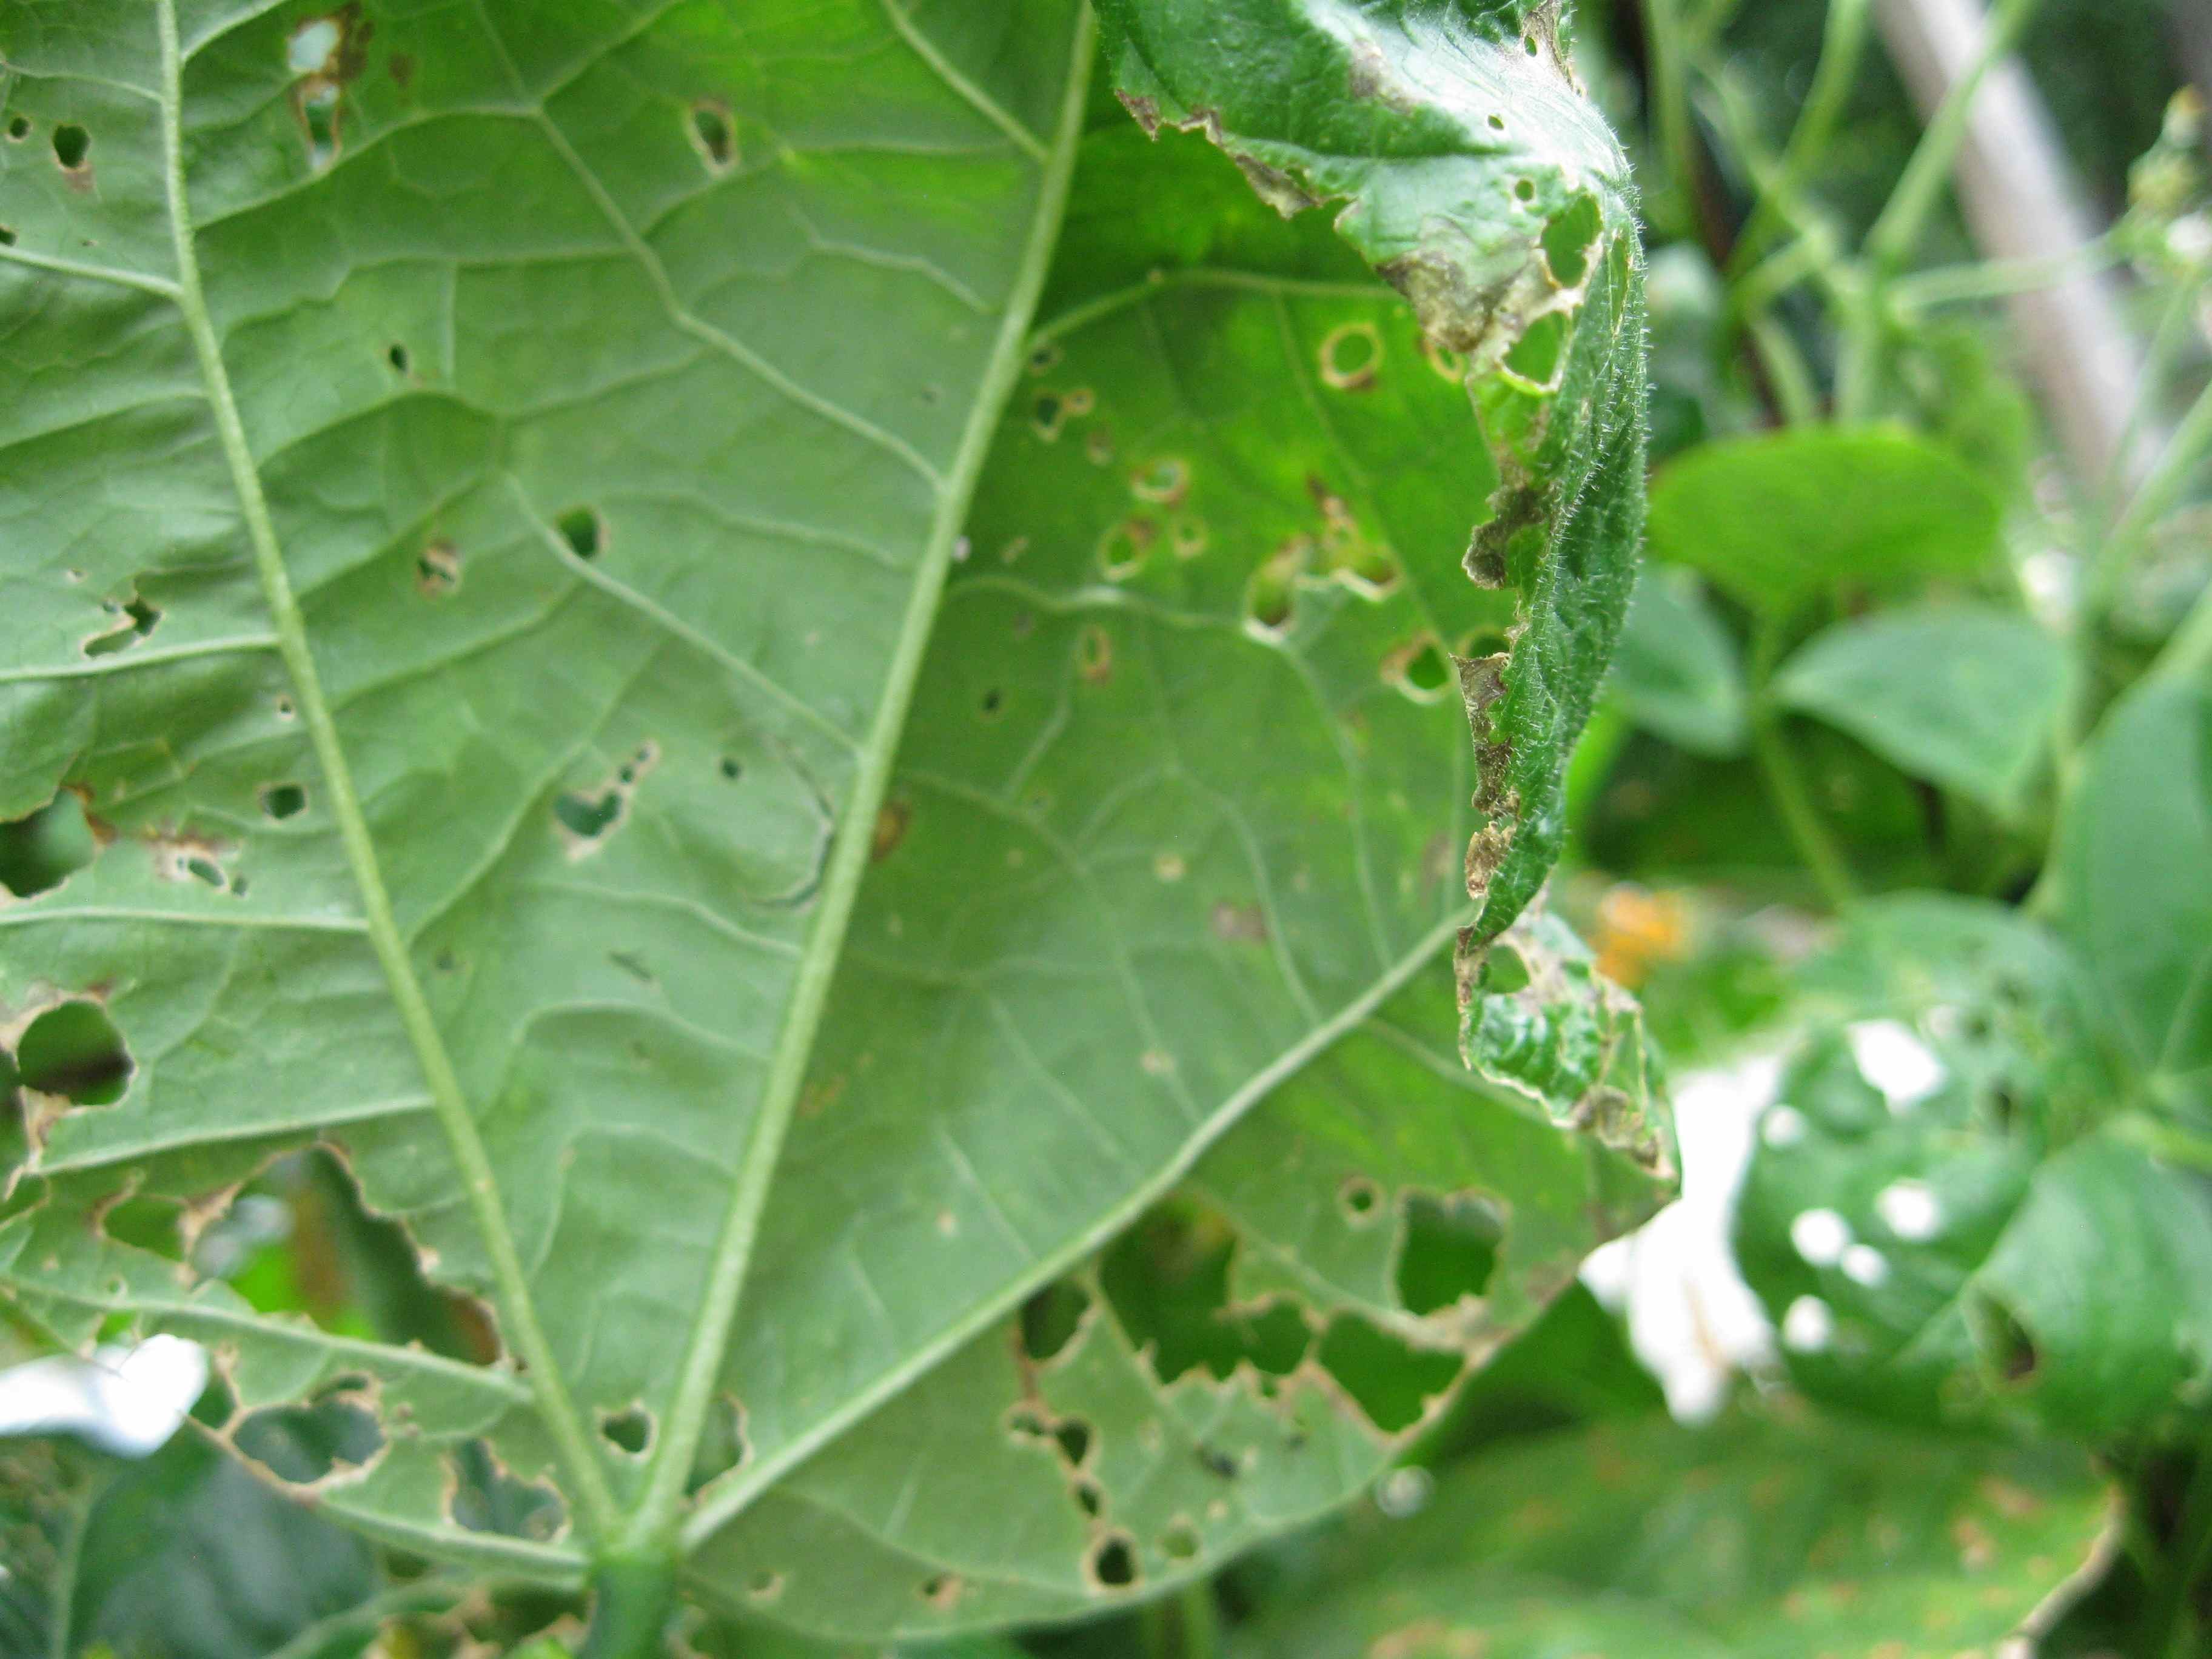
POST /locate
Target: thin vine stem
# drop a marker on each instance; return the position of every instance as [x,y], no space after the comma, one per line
[1785,783]
[518,1313]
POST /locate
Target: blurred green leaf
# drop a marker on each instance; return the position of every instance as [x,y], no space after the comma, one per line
[1677,671]
[1779,519]
[1968,698]
[2134,874]
[1757,1539]
[1949,1215]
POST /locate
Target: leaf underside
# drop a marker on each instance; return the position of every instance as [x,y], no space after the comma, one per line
[612,504]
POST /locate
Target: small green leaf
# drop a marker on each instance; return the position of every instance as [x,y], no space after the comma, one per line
[1776,520]
[1676,672]
[1762,1540]
[1967,698]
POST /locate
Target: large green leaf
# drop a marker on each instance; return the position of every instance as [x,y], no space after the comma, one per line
[617,568]
[1778,520]
[1754,1538]
[1966,697]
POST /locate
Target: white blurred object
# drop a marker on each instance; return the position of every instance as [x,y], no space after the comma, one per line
[1691,1320]
[124,1401]
[1893,1061]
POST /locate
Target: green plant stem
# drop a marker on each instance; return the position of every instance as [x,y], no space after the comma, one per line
[1999,279]
[518,1314]
[2174,470]
[1187,1626]
[631,1600]
[654,1520]
[1784,782]
[1843,46]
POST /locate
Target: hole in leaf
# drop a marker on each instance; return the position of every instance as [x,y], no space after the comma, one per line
[1524,189]
[7,236]
[1094,655]
[1167,1282]
[40,852]
[1270,595]
[584,530]
[1419,670]
[73,1050]
[1048,415]
[19,128]
[398,358]
[1073,1436]
[629,1431]
[1569,235]
[732,769]
[586,817]
[284,800]
[1535,357]
[1351,353]
[1528,44]
[487,1499]
[71,145]
[1449,1250]
[1113,1561]
[2009,1345]
[713,135]
[306,1443]
[721,1444]
[143,619]
[1359,1198]
[942,1590]
[1497,123]
[1504,970]
[1089,1499]
[1180,1542]
[994,702]
[1050,1319]
[206,871]
[1390,1380]
[1044,358]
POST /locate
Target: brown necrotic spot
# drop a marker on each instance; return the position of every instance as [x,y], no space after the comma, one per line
[437,570]
[1351,356]
[892,818]
[1094,655]
[1163,482]
[942,1590]
[1123,550]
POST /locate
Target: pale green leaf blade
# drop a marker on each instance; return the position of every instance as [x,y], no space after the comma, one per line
[1777,520]
[1965,697]
[1252,1354]
[2134,869]
[1676,670]
[1766,1539]
[540,455]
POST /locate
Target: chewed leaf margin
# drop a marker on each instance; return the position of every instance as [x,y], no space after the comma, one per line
[1515,242]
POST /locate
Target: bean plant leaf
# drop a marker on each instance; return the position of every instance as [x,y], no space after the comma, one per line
[1778,520]
[618,544]
[1755,1538]
[1951,1214]
[1967,697]
[1454,152]
[1677,671]
[2134,867]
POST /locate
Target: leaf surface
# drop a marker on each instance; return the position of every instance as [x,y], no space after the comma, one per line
[1777,520]
[1967,698]
[1176,812]
[1754,1539]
